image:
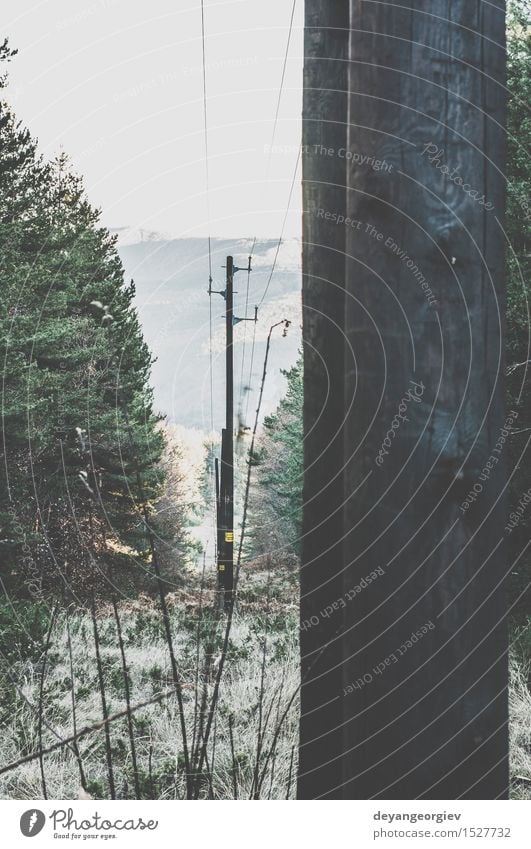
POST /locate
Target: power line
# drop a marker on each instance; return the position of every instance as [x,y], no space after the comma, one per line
[231,608]
[209,239]
[246,313]
[286,324]
[279,99]
[273,267]
[205,123]
[268,168]
[249,382]
[207,187]
[282,230]
[284,65]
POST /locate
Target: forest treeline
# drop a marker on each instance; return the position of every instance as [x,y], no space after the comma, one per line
[82,446]
[275,501]
[84,451]
[92,493]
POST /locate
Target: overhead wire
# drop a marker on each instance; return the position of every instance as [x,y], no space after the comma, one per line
[271,273]
[279,98]
[268,169]
[240,401]
[286,213]
[209,242]
[207,188]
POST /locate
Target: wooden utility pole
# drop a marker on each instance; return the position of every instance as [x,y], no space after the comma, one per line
[226,499]
[404,651]
[225,475]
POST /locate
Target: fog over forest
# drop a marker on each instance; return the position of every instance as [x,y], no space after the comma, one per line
[171,278]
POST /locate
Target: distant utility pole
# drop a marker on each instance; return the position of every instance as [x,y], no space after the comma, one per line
[226,552]
[225,477]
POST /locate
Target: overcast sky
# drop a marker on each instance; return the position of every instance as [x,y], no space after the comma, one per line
[118,84]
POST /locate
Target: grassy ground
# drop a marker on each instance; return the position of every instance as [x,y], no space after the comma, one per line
[520,711]
[259,682]
[254,732]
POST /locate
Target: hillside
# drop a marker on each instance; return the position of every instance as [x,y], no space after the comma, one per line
[171,277]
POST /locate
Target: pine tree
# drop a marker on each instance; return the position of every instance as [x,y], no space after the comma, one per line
[276,499]
[81,440]
[519,285]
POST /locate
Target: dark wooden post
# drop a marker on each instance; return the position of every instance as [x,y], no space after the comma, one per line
[422,701]
[324,175]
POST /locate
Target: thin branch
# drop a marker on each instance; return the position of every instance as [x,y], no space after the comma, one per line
[261,729]
[512,368]
[233,755]
[41,697]
[164,609]
[75,747]
[101,682]
[215,694]
[125,672]
[288,791]
[88,729]
[197,660]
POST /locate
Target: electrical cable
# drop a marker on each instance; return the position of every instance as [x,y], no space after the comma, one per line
[209,240]
[268,169]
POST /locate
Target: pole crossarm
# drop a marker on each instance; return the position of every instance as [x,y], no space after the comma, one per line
[225,469]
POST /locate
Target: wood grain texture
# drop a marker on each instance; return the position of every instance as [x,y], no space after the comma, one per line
[324,181]
[433,722]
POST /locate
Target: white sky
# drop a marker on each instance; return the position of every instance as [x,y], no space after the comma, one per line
[118,84]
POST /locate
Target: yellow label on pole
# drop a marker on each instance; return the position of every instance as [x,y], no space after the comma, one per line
[221,567]
[229,536]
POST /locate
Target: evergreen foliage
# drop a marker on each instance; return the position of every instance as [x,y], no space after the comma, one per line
[276,501]
[518,227]
[79,431]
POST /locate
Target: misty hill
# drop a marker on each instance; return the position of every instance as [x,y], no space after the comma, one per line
[171,277]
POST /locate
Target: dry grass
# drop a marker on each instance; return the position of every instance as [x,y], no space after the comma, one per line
[247,701]
[520,730]
[157,728]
